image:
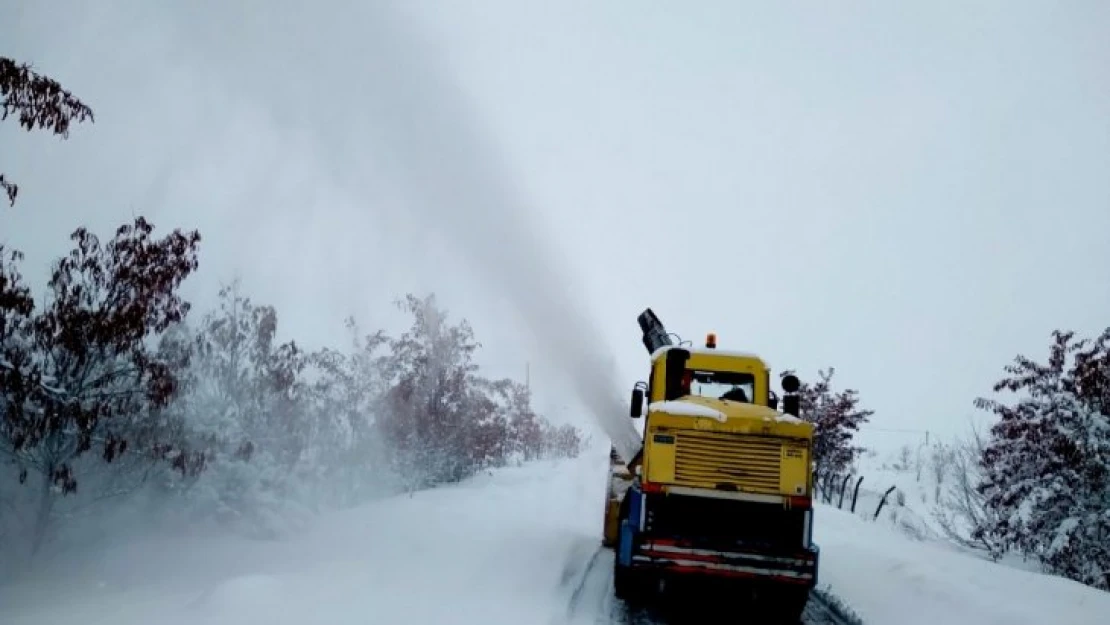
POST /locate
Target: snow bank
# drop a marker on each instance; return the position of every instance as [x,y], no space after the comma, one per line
[491,550]
[887,578]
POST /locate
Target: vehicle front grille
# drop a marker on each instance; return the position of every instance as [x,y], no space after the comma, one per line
[714,459]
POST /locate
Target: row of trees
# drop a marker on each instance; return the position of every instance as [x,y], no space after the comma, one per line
[110,389]
[1036,484]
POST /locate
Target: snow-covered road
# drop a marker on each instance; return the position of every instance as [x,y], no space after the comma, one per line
[511,547]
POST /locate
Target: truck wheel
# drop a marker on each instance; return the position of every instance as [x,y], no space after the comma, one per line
[793,604]
[629,585]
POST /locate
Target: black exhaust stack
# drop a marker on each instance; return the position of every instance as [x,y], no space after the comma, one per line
[791,401]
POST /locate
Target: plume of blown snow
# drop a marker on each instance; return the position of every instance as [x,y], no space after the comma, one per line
[454,181]
[367,89]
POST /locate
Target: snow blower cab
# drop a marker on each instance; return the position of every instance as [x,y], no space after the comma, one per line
[723,485]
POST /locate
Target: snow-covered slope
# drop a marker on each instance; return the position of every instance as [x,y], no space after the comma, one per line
[886,577]
[497,549]
[918,490]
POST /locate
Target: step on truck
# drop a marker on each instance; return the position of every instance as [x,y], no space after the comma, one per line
[722,487]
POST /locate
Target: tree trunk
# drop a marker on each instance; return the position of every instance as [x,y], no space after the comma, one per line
[45,507]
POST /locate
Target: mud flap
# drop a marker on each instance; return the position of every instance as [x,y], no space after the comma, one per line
[624,550]
[630,526]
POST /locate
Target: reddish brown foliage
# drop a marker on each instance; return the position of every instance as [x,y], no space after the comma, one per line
[837,417]
[40,102]
[442,421]
[81,372]
[1047,465]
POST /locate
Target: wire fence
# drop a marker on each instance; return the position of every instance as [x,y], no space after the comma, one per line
[846,493]
[874,502]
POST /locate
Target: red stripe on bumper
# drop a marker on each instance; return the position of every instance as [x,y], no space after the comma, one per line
[693,570]
[667,549]
[787,569]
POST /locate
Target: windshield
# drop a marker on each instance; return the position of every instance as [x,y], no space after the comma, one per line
[722,384]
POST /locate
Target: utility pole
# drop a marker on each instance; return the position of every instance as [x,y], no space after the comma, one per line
[527,375]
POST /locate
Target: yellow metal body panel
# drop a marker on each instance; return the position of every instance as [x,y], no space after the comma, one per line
[715,361]
[748,448]
[659,462]
[748,454]
[737,449]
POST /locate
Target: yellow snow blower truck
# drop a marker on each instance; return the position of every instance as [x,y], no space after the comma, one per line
[722,488]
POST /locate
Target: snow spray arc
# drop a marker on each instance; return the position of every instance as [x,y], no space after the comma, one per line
[452,180]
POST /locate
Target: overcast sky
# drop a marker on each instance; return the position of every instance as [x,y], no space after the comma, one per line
[913,195]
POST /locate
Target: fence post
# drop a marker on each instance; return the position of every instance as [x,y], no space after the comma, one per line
[843,487]
[855,493]
[829,487]
[882,502]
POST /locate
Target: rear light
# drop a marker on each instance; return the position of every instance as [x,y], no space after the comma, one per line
[799,503]
[651,487]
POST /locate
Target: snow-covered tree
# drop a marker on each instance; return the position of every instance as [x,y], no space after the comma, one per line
[960,509]
[17,385]
[564,441]
[523,432]
[488,441]
[80,374]
[246,404]
[837,417]
[347,454]
[441,421]
[1047,464]
[427,407]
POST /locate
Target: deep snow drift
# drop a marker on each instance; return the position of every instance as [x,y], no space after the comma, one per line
[496,549]
[886,577]
[490,551]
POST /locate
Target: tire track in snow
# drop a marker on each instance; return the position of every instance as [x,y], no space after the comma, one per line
[584,583]
[823,607]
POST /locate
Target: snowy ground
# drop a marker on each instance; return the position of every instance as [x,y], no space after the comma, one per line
[911,506]
[505,548]
[886,577]
[921,491]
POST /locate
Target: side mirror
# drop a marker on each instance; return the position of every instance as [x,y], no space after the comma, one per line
[773,400]
[637,409]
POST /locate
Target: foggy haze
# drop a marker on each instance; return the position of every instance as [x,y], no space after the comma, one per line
[909,196]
